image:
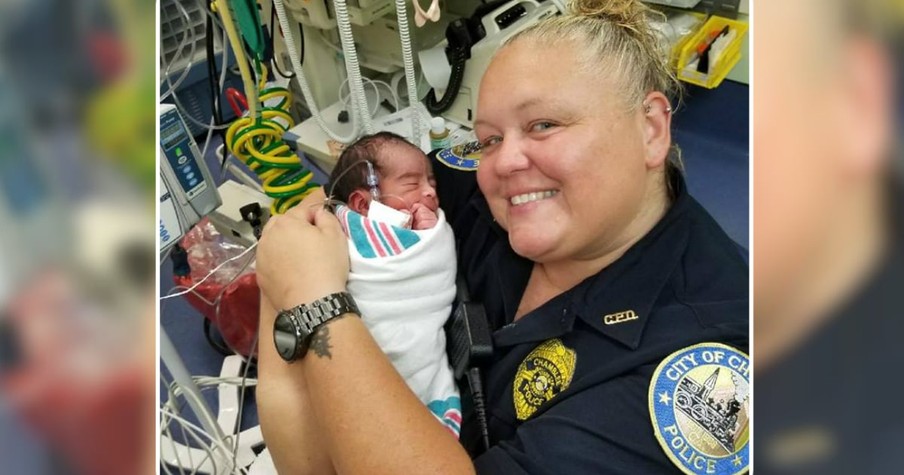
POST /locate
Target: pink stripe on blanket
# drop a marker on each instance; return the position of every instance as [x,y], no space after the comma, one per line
[374,240]
[391,239]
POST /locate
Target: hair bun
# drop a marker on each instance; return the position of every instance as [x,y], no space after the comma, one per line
[628,14]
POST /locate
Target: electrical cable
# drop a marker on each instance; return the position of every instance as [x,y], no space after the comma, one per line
[344,98]
[206,7]
[167,411]
[215,90]
[206,382]
[458,59]
[392,94]
[301,43]
[474,381]
[169,408]
[242,396]
[303,83]
[212,272]
[170,411]
[185,39]
[222,7]
[185,112]
[259,144]
[195,430]
[274,26]
[256,139]
[394,83]
[352,67]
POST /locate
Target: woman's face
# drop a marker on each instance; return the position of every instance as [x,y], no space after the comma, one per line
[564,166]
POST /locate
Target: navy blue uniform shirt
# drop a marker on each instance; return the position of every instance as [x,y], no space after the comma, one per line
[831,405]
[583,406]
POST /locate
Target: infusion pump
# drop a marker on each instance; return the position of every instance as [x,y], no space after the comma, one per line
[186,188]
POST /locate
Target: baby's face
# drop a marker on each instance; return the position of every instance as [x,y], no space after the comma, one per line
[407,179]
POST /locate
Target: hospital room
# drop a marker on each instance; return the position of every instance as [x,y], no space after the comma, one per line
[451,236]
[550,151]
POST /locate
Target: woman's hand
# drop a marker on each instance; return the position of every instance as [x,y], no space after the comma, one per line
[302,256]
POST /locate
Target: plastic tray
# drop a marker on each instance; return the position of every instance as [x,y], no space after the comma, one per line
[728,58]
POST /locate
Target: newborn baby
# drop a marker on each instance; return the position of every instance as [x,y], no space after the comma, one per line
[403,264]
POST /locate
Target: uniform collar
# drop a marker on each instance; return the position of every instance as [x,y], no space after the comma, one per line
[632,283]
[619,300]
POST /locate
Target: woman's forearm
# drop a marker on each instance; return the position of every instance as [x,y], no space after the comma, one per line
[371,421]
[290,429]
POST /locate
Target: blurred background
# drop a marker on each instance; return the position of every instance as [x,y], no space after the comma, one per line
[77,252]
[77,375]
[258,97]
[828,242]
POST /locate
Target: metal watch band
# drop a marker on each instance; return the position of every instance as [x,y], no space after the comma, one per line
[310,316]
[294,328]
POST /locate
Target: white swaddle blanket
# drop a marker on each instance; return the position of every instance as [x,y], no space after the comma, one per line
[404,283]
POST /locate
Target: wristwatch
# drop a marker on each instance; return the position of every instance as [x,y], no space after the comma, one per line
[295,327]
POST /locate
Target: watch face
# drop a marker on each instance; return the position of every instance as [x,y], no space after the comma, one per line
[285,336]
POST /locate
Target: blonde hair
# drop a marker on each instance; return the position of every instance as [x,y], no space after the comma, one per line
[615,38]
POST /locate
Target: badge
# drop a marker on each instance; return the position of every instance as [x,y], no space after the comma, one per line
[465,157]
[543,374]
[699,403]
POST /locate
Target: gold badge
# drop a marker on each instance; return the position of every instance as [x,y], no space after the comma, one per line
[546,372]
[620,317]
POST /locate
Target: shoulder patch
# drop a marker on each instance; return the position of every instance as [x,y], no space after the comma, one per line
[699,404]
[465,157]
[541,376]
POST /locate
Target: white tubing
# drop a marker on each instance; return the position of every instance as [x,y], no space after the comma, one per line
[302,81]
[356,85]
[408,60]
[191,54]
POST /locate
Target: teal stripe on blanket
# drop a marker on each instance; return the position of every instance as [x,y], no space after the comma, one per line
[448,411]
[407,237]
[364,243]
[358,235]
[383,240]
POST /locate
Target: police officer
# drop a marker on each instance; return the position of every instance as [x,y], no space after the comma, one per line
[618,306]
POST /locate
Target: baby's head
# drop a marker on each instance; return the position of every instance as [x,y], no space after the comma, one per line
[405,176]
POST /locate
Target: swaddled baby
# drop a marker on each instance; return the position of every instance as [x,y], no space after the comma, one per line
[403,262]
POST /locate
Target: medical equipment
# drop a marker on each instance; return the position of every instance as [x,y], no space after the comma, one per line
[258,142]
[375,40]
[472,44]
[256,138]
[373,182]
[186,188]
[323,14]
[232,218]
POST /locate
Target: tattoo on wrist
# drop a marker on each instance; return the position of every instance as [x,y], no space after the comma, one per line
[320,342]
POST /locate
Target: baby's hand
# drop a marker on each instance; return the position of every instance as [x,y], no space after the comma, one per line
[422,217]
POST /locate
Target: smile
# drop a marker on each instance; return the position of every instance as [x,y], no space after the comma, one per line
[531,197]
